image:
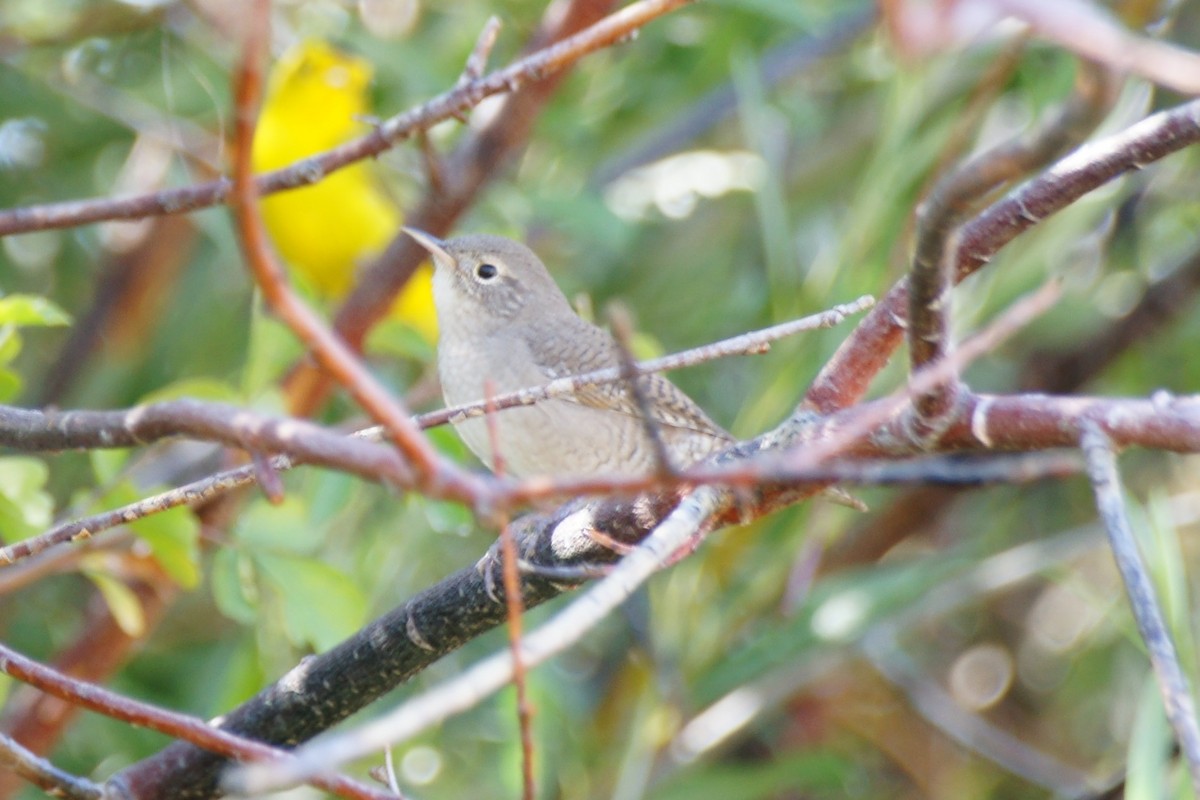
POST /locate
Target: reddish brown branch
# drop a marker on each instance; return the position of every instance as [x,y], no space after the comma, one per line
[846,376]
[329,687]
[515,608]
[431,471]
[38,720]
[951,201]
[43,774]
[179,726]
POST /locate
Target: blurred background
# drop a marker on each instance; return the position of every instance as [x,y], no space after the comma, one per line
[736,164]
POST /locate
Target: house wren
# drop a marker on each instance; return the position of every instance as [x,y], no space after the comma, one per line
[502,317]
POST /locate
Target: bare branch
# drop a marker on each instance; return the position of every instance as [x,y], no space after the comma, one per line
[570,538]
[44,775]
[431,470]
[754,342]
[846,376]
[949,203]
[29,430]
[481,157]
[477,61]
[622,331]
[1090,30]
[300,441]
[1143,600]
[515,608]
[541,63]
[478,682]
[171,723]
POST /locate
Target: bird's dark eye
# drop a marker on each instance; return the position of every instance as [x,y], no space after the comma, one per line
[486,271]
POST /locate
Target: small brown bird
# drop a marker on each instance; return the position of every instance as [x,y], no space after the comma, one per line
[501,316]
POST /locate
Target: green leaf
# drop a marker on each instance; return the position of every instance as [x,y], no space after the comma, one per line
[10,343]
[25,509]
[173,536]
[28,309]
[10,385]
[329,493]
[243,676]
[208,389]
[808,774]
[270,349]
[392,337]
[284,528]
[1149,747]
[233,588]
[122,602]
[107,465]
[321,606]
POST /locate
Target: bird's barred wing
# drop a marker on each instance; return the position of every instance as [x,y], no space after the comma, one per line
[585,348]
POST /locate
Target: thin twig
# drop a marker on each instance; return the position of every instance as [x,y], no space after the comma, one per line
[754,342]
[1143,600]
[1091,31]
[480,157]
[539,64]
[515,607]
[622,331]
[174,724]
[846,376]
[424,629]
[931,276]
[477,61]
[44,775]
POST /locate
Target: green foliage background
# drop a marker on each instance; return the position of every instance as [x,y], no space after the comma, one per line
[844,150]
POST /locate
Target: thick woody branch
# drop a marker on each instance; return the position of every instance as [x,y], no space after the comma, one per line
[688,520]
[382,655]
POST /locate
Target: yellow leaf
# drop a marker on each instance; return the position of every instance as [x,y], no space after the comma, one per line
[122,602]
[316,99]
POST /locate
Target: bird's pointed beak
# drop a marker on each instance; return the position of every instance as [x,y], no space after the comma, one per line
[435,246]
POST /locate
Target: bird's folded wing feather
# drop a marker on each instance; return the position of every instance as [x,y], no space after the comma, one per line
[585,348]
